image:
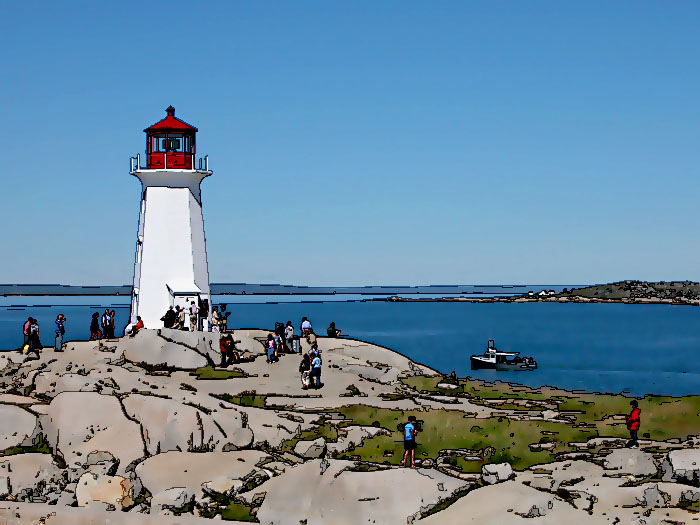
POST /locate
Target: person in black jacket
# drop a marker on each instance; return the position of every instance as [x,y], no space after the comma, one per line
[305,370]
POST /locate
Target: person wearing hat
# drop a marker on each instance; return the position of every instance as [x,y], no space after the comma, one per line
[60,332]
[633,424]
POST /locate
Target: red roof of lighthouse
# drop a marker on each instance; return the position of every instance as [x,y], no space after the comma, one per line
[171,123]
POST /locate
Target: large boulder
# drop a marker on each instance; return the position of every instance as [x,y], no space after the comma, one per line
[191,470]
[78,423]
[311,449]
[492,473]
[681,465]
[330,491]
[113,490]
[630,461]
[149,347]
[19,427]
[170,425]
[174,498]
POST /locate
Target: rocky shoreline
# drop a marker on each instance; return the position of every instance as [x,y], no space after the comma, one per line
[147,430]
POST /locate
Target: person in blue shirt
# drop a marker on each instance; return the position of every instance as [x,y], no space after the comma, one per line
[60,332]
[409,441]
[315,369]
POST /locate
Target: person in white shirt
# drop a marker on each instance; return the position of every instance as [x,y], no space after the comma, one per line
[305,326]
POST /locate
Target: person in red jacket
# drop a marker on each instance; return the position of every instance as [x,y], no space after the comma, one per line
[633,423]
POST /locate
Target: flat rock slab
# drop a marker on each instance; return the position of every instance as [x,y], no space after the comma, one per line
[630,461]
[78,423]
[509,502]
[13,513]
[18,426]
[327,491]
[170,425]
[191,470]
[150,348]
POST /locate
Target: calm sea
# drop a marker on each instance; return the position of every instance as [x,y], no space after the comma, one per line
[633,349]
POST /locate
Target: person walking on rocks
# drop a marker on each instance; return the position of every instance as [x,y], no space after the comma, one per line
[95,334]
[60,332]
[409,441]
[633,424]
[305,370]
[25,329]
[193,316]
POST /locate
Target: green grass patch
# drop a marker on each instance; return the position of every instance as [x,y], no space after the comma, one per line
[209,372]
[41,447]
[246,399]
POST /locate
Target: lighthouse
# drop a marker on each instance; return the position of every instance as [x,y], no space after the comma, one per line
[170,266]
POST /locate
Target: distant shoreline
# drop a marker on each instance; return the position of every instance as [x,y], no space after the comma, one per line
[570,299]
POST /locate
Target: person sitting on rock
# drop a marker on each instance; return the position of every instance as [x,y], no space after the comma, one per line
[332,331]
[409,441]
[135,329]
[633,424]
[227,350]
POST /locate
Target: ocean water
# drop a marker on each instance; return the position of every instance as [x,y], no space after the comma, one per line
[617,348]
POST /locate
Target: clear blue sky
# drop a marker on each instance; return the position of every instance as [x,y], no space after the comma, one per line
[361,143]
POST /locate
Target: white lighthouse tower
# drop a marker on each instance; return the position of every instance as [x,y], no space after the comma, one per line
[171,256]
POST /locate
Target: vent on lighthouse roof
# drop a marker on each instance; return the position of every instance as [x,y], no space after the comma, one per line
[170,123]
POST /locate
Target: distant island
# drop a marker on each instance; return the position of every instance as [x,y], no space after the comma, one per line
[632,292]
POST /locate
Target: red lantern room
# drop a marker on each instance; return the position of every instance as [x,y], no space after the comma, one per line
[170,143]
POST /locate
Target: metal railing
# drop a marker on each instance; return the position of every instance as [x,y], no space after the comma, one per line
[135,163]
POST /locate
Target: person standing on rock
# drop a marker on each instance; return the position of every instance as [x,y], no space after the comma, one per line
[60,332]
[270,345]
[193,316]
[289,335]
[180,318]
[305,370]
[223,318]
[112,324]
[95,334]
[34,341]
[633,424]
[409,441]
[215,319]
[316,370]
[106,320]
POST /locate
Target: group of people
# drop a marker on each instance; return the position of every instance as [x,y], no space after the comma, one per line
[195,317]
[32,340]
[106,323]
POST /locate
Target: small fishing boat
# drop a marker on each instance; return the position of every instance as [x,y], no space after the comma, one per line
[496,360]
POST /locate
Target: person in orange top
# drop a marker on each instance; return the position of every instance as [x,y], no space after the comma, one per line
[135,329]
[633,424]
